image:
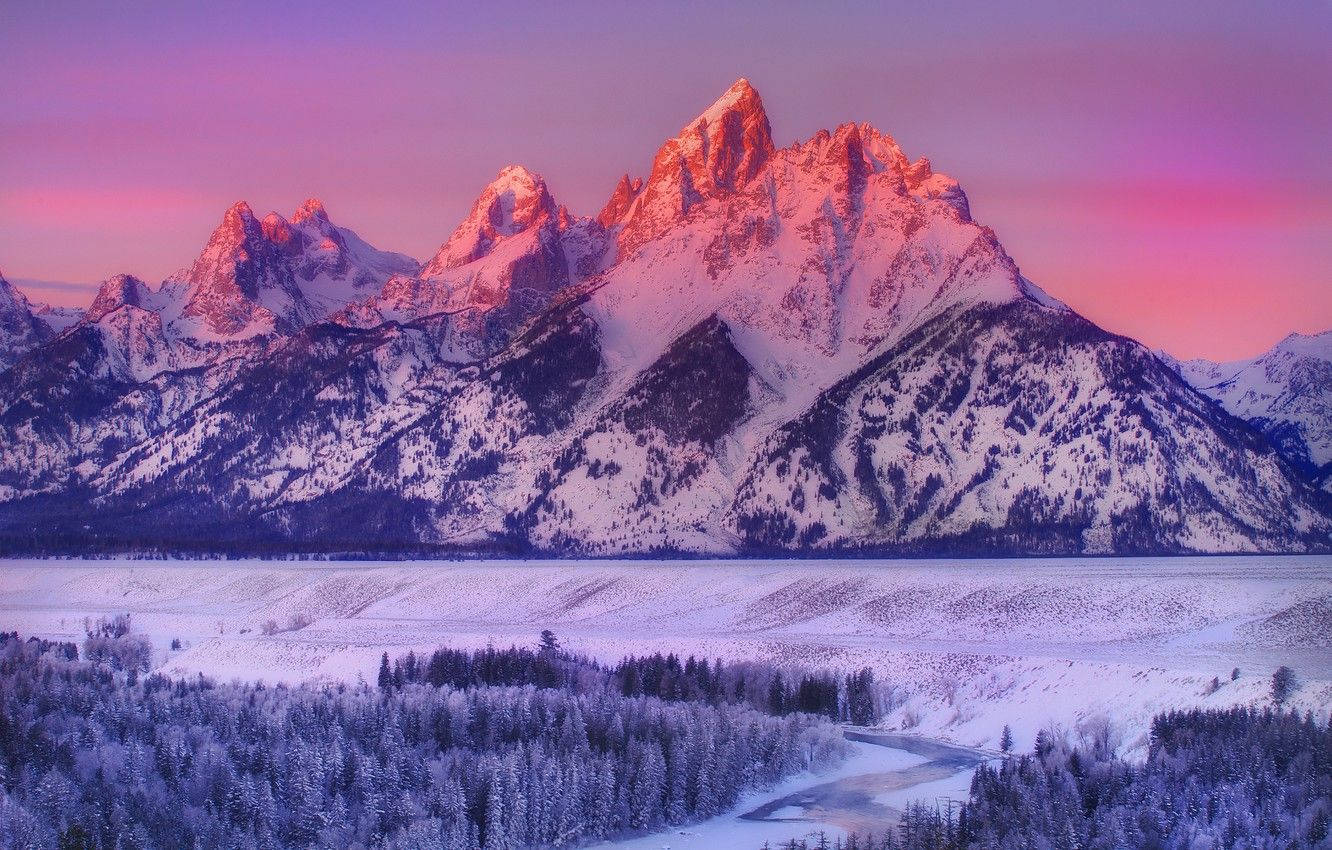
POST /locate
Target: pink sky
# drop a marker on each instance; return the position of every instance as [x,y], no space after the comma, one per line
[1163,170]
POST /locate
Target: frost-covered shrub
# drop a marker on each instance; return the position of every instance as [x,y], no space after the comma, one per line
[110,642]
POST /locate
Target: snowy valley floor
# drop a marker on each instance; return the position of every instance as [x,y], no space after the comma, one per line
[966,646]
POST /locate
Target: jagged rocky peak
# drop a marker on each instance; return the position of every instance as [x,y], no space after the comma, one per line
[312,210]
[726,146]
[717,153]
[15,312]
[240,259]
[226,245]
[925,183]
[515,201]
[278,274]
[9,295]
[238,221]
[860,150]
[309,226]
[502,264]
[116,292]
[620,201]
[277,229]
[722,153]
[311,218]
[242,238]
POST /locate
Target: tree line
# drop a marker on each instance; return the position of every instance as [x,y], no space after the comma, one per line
[852,698]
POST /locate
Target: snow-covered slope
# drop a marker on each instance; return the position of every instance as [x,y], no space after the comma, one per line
[809,348]
[1016,428]
[1286,393]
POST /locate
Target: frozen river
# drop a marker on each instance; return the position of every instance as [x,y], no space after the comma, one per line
[863,795]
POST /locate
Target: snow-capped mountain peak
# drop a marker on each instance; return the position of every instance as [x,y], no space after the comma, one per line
[719,152]
[116,292]
[255,278]
[727,146]
[504,262]
[312,209]
[239,265]
[516,201]
[226,244]
[814,254]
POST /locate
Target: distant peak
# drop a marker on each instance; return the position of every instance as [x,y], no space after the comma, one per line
[312,209]
[1318,344]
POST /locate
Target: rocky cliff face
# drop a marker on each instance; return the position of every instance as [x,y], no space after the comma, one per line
[755,349]
[20,330]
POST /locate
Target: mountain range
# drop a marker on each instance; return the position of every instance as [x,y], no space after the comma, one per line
[752,350]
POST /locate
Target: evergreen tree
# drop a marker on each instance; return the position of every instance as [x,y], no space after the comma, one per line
[1283,682]
[493,827]
[549,643]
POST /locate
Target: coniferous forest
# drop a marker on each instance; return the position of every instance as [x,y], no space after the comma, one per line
[539,748]
[1239,778]
[1235,778]
[493,749]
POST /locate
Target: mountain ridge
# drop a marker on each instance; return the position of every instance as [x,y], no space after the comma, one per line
[1284,392]
[755,350]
